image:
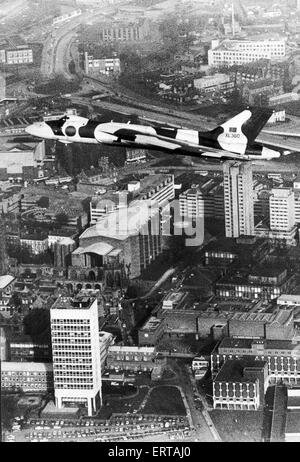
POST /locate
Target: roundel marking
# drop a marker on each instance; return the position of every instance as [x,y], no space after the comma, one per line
[70,130]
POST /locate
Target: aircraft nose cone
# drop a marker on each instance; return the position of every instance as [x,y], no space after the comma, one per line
[31,130]
[40,129]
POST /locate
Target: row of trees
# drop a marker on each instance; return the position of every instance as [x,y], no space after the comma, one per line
[77,157]
[59,85]
[23,255]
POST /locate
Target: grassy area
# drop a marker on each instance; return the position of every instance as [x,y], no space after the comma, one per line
[164,400]
[119,405]
[9,409]
[238,426]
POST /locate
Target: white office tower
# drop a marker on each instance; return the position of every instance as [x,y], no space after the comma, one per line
[75,348]
[3,345]
[2,87]
[282,210]
[238,199]
[192,203]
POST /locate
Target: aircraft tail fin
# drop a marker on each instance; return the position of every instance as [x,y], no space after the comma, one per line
[241,130]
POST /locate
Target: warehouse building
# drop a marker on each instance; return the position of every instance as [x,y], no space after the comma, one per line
[273,326]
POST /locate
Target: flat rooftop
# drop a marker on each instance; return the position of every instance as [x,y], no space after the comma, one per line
[131,349]
[288,298]
[80,302]
[268,271]
[151,324]
[278,317]
[292,422]
[5,280]
[233,370]
[174,297]
[10,366]
[248,343]
[231,245]
[293,402]
[246,280]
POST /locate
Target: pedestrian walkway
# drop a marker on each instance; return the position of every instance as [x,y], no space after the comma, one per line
[205,412]
[279,414]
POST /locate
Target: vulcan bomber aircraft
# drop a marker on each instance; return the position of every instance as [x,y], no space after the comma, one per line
[234,139]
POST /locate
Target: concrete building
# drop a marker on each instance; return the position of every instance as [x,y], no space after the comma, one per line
[296,190]
[106,66]
[238,199]
[2,87]
[135,156]
[173,300]
[206,200]
[151,332]
[106,340]
[262,230]
[35,243]
[284,98]
[264,282]
[6,291]
[76,352]
[157,189]
[283,216]
[230,52]
[271,326]
[277,116]
[282,356]
[240,385]
[289,300]
[26,376]
[130,236]
[282,209]
[63,249]
[25,349]
[212,83]
[131,358]
[23,161]
[292,426]
[118,31]
[3,345]
[58,235]
[192,203]
[223,251]
[67,16]
[10,202]
[21,54]
[259,92]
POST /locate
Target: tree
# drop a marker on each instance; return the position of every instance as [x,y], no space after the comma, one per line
[61,219]
[176,248]
[37,325]
[59,84]
[72,67]
[43,202]
[16,300]
[131,62]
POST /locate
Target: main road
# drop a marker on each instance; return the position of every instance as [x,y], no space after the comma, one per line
[56,52]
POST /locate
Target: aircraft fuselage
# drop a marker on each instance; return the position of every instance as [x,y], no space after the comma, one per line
[228,140]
